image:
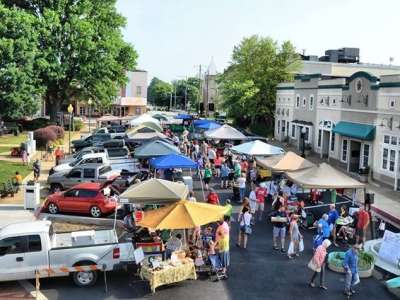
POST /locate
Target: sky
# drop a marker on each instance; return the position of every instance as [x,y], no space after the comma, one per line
[174,37]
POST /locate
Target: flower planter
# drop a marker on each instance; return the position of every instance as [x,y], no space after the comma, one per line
[335,264]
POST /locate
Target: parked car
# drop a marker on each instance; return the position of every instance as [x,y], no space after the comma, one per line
[122,162]
[33,246]
[78,155]
[88,173]
[92,140]
[86,198]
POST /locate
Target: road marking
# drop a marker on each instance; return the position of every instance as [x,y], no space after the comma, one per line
[32,290]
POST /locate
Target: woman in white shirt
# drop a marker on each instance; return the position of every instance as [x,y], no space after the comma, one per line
[245,227]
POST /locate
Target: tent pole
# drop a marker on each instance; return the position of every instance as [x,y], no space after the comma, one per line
[115,215]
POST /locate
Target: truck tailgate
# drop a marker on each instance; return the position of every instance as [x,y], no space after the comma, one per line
[126,252]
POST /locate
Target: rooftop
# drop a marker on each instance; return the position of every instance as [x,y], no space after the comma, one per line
[25,228]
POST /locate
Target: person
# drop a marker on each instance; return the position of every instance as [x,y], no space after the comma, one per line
[253,201]
[362,225]
[129,222]
[279,228]
[229,209]
[244,165]
[261,194]
[175,139]
[207,175]
[237,170]
[59,154]
[217,166]
[204,148]
[192,197]
[295,235]
[278,201]
[196,150]
[17,180]
[318,263]
[333,215]
[324,226]
[49,150]
[24,157]
[244,225]
[343,211]
[350,265]
[213,198]
[36,170]
[253,173]
[224,175]
[242,186]
[222,245]
[333,196]
[223,227]
[211,155]
[174,243]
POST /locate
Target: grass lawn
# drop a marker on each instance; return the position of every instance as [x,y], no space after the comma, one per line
[5,149]
[8,170]
[11,139]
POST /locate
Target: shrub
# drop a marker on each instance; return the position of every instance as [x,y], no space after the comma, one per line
[58,130]
[34,124]
[78,124]
[43,136]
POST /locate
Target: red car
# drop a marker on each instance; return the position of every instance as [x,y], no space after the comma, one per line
[84,198]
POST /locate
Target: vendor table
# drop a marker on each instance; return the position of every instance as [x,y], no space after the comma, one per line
[169,274]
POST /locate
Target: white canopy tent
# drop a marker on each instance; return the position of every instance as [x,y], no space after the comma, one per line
[225,132]
[257,148]
[144,118]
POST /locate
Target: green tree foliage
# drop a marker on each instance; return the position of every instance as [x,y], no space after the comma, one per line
[190,89]
[248,85]
[159,92]
[20,88]
[81,51]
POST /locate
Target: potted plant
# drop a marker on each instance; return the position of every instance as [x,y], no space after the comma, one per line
[366,263]
[363,174]
[307,149]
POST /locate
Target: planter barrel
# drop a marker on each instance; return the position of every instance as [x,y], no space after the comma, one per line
[340,269]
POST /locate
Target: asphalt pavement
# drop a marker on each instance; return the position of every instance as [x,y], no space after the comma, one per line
[258,272]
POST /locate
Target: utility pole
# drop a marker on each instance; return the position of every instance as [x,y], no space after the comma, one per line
[170,101]
[200,96]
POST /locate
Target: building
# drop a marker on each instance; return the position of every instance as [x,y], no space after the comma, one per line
[209,90]
[132,99]
[352,121]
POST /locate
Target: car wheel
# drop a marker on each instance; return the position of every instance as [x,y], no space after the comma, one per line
[55,187]
[95,212]
[53,208]
[85,278]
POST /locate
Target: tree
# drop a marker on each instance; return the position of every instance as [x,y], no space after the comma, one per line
[187,93]
[258,65]
[159,92]
[20,88]
[81,51]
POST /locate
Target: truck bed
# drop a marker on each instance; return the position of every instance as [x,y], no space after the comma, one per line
[83,238]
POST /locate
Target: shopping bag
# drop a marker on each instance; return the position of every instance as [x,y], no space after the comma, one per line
[248,230]
[356,279]
[301,245]
[312,265]
[291,249]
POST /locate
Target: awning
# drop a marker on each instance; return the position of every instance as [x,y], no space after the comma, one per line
[355,130]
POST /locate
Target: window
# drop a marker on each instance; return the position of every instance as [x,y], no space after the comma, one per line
[34,243]
[279,126]
[298,101]
[89,173]
[304,102]
[104,170]
[138,91]
[392,103]
[344,150]
[393,140]
[13,245]
[386,139]
[319,137]
[117,152]
[71,193]
[75,174]
[311,102]
[307,135]
[293,131]
[138,110]
[82,110]
[365,155]
[392,159]
[87,193]
[333,101]
[333,141]
[385,155]
[283,126]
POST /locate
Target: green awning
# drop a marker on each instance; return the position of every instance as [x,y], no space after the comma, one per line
[355,130]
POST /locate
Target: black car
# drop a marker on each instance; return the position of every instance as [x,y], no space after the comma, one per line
[93,140]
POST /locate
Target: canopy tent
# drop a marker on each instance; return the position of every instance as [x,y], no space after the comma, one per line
[282,163]
[141,129]
[155,191]
[144,118]
[173,161]
[142,136]
[154,149]
[184,117]
[201,121]
[208,126]
[182,215]
[225,132]
[160,117]
[257,148]
[152,125]
[324,177]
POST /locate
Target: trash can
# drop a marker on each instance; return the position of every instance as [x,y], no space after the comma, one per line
[31,196]
[188,180]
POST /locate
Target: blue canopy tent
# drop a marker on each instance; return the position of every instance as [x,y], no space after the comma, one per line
[208,126]
[184,117]
[201,121]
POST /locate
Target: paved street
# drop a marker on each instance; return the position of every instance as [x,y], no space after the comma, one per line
[256,273]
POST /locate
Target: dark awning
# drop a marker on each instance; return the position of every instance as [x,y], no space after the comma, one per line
[301,122]
[355,130]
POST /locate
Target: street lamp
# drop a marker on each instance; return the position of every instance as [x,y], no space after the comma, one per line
[303,138]
[70,110]
[90,111]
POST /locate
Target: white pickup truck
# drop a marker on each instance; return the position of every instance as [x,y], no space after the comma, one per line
[122,162]
[32,247]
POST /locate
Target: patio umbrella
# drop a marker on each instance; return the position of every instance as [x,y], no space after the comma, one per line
[173,161]
[257,148]
[154,149]
[225,132]
[155,191]
[182,215]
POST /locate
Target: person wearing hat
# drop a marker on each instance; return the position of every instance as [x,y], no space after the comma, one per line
[317,264]
[350,265]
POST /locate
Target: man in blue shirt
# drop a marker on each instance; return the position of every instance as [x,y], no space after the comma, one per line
[333,215]
[323,226]
[350,265]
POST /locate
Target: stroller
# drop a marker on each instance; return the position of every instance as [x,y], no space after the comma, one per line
[215,272]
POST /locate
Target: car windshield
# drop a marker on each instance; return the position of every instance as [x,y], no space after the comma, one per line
[104,170]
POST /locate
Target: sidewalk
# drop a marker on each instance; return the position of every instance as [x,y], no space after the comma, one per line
[387,201]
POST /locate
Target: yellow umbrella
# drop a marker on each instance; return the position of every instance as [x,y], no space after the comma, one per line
[182,215]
